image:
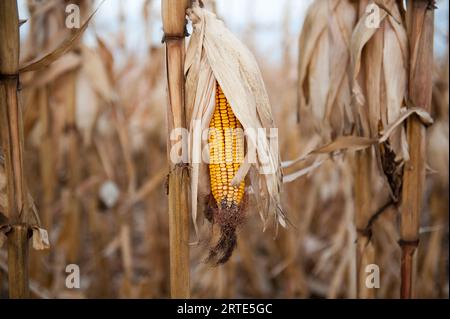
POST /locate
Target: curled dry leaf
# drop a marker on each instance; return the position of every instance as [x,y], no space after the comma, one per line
[40,238]
[424,116]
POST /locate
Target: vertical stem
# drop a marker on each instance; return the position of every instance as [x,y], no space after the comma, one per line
[100,286]
[420,19]
[12,143]
[365,252]
[407,270]
[18,261]
[47,165]
[11,118]
[173,15]
[179,233]
[73,206]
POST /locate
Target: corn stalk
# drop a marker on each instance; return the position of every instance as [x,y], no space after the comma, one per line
[173,17]
[365,250]
[363,190]
[72,209]
[420,24]
[12,143]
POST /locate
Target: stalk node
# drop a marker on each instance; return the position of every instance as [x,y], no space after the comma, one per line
[171,37]
[9,77]
[365,232]
[408,244]
[176,37]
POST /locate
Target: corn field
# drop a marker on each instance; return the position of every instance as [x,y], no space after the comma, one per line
[104,190]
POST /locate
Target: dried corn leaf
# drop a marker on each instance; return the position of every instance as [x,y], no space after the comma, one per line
[357,143]
[379,62]
[423,115]
[48,58]
[96,72]
[40,238]
[67,62]
[313,72]
[342,20]
[304,171]
[323,81]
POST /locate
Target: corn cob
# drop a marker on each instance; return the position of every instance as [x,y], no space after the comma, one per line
[226,149]
[226,144]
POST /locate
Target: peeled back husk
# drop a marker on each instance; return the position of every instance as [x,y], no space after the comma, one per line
[215,54]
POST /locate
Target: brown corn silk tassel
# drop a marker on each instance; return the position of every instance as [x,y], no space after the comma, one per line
[226,147]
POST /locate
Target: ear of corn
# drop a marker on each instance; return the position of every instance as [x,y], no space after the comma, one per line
[215,56]
[226,144]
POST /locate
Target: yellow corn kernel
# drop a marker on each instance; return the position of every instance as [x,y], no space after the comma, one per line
[226,147]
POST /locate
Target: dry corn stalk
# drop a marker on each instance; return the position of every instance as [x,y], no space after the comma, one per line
[39,113]
[379,74]
[420,23]
[20,215]
[173,16]
[378,81]
[21,210]
[224,91]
